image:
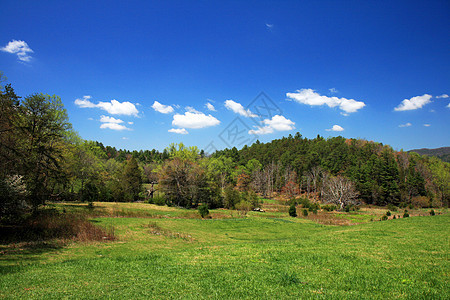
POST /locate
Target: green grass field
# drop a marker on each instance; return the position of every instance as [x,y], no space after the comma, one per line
[163,253]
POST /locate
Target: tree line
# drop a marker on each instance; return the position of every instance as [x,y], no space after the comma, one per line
[43,158]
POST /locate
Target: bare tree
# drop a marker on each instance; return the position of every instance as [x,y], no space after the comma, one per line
[340,191]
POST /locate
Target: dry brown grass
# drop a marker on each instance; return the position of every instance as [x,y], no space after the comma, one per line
[157,230]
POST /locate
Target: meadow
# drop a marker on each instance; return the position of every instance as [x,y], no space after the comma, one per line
[162,252]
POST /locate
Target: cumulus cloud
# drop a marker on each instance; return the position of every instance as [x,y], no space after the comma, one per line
[444,96]
[335,128]
[414,103]
[107,119]
[20,48]
[178,130]
[448,105]
[194,120]
[427,125]
[277,123]
[114,126]
[239,109]
[269,26]
[210,107]
[113,107]
[164,109]
[112,123]
[192,110]
[405,125]
[310,97]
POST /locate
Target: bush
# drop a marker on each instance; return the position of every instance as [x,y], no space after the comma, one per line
[292,211]
[347,208]
[305,203]
[203,210]
[305,212]
[420,201]
[392,207]
[406,214]
[394,217]
[384,218]
[388,213]
[432,213]
[243,207]
[158,200]
[329,207]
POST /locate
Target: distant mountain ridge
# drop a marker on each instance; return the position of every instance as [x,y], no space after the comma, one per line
[442,153]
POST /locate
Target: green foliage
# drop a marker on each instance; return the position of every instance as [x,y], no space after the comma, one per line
[231,198]
[388,213]
[90,193]
[329,207]
[293,210]
[131,180]
[244,207]
[203,210]
[392,207]
[305,212]
[432,213]
[384,218]
[406,214]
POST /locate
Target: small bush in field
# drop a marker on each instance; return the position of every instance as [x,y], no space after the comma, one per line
[384,218]
[406,214]
[203,210]
[432,213]
[392,207]
[305,212]
[388,213]
[329,207]
[305,203]
[292,211]
[394,217]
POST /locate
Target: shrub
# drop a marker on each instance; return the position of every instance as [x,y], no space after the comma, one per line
[432,213]
[420,201]
[329,207]
[347,208]
[305,203]
[388,213]
[384,218]
[203,210]
[406,214]
[305,212]
[392,207]
[243,207]
[394,217]
[292,211]
[158,200]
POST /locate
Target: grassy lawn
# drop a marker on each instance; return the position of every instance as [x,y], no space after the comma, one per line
[163,252]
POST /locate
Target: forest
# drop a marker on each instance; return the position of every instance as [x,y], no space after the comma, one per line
[44,159]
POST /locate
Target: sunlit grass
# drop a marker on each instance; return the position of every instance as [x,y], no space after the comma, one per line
[263,255]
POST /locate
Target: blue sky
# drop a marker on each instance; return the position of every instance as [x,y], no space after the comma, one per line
[140,74]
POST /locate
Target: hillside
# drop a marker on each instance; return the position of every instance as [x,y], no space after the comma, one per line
[441,153]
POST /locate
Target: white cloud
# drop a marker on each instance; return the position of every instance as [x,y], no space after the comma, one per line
[178,130]
[239,109]
[448,105]
[164,109]
[125,138]
[414,103]
[261,130]
[427,125]
[405,125]
[85,102]
[335,128]
[130,123]
[194,120]
[192,110]
[20,48]
[269,26]
[113,107]
[210,107]
[114,126]
[444,96]
[277,123]
[310,97]
[107,119]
